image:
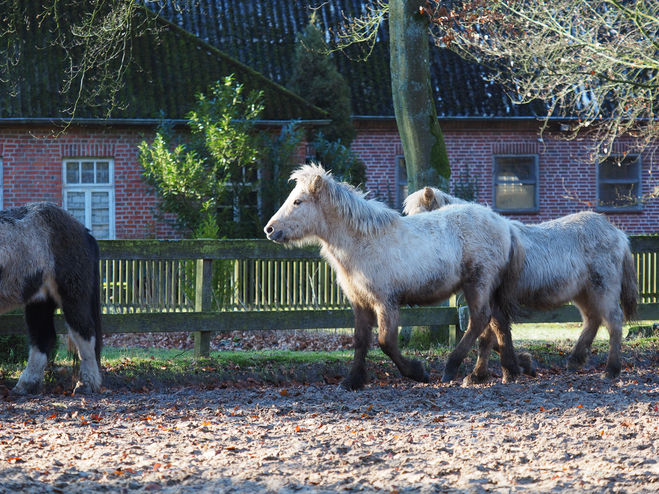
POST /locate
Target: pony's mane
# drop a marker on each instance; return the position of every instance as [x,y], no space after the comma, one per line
[367,216]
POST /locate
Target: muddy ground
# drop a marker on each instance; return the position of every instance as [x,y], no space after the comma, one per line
[557,433]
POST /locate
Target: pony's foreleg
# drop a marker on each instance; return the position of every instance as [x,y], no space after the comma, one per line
[42,336]
[364,321]
[388,340]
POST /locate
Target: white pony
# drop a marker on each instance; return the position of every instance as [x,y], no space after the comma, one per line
[580,258]
[383,260]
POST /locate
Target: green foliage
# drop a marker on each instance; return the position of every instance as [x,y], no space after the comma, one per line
[316,78]
[343,163]
[14,349]
[466,187]
[280,156]
[212,177]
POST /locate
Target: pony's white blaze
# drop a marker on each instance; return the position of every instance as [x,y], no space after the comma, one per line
[32,377]
[582,258]
[383,260]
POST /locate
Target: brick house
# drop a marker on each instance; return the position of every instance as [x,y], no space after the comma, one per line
[490,140]
[89,164]
[494,146]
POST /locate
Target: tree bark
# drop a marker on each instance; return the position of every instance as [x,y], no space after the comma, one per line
[416,116]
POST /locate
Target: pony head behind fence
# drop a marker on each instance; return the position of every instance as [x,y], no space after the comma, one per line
[383,260]
[48,260]
[581,258]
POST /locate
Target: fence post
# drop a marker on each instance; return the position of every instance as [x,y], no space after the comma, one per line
[203,299]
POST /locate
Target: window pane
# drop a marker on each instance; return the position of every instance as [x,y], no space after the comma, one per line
[612,168]
[72,172]
[102,172]
[100,214]
[87,172]
[618,195]
[75,204]
[514,196]
[517,167]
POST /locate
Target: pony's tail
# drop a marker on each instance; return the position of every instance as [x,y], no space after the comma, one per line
[96,296]
[629,292]
[505,296]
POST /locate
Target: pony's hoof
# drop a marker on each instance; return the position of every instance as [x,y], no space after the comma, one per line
[426,378]
[350,384]
[22,389]
[82,389]
[447,378]
[475,379]
[611,374]
[526,362]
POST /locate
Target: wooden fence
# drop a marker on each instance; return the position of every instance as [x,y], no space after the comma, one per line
[202,286]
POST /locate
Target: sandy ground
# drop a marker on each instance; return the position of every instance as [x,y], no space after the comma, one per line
[555,433]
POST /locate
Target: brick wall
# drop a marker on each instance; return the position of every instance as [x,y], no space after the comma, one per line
[32,170]
[566,184]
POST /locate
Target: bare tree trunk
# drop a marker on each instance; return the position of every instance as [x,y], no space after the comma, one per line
[426,159]
[423,143]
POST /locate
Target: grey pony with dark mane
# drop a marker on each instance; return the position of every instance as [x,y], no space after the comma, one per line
[581,258]
[49,260]
[384,260]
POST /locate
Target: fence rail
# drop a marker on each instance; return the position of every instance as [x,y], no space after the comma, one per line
[202,286]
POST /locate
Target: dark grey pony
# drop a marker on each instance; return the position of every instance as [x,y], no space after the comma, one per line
[581,258]
[48,259]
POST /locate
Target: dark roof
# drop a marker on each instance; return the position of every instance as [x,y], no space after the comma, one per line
[261,34]
[168,66]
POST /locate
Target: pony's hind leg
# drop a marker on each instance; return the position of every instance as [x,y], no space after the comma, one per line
[613,323]
[480,314]
[388,340]
[90,375]
[581,350]
[364,321]
[81,326]
[481,372]
[42,337]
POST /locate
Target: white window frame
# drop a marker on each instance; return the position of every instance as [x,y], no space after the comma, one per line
[88,189]
[638,180]
[535,182]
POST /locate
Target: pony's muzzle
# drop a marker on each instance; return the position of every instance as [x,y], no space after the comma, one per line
[272,234]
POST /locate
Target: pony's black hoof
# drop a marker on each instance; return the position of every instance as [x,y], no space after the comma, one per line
[425,378]
[475,379]
[351,384]
[447,378]
[611,374]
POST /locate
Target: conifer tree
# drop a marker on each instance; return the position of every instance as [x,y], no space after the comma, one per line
[316,79]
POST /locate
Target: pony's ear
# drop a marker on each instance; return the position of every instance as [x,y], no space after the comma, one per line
[428,195]
[316,184]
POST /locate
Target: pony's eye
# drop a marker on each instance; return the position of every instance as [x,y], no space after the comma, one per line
[297,202]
